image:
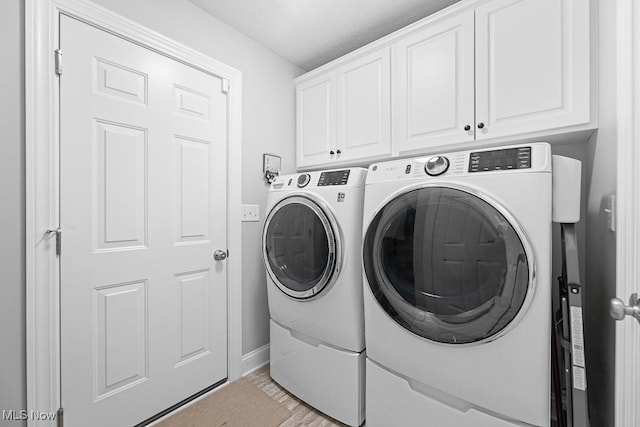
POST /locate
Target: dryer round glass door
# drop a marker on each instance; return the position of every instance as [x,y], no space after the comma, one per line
[446,265]
[300,247]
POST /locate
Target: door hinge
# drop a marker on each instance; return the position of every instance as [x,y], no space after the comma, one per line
[60,417]
[58,56]
[225,86]
[58,233]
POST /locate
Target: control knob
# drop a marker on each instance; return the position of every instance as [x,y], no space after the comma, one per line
[436,165]
[303,180]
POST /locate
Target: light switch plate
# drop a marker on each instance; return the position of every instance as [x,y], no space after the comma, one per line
[250,213]
[610,211]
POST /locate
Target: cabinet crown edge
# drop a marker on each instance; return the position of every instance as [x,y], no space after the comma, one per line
[391,38]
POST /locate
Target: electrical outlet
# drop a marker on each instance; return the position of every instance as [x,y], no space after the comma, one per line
[250,213]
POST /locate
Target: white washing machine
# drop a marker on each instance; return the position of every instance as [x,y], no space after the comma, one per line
[457,290]
[311,246]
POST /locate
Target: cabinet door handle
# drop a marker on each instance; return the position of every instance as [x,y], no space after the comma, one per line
[467,127]
[338,151]
[331,152]
[480,125]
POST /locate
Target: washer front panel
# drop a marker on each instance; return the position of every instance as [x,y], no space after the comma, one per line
[300,247]
[446,265]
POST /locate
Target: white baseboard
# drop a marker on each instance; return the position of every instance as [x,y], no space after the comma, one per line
[254,360]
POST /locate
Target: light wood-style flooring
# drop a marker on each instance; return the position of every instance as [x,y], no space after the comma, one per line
[301,413]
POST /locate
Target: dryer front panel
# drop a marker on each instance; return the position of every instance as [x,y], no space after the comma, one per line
[447,265]
[301,247]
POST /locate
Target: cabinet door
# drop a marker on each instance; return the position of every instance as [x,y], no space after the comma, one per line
[316,120]
[532,66]
[433,85]
[364,107]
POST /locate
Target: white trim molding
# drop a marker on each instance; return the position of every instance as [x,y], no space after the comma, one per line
[42,193]
[255,359]
[627,359]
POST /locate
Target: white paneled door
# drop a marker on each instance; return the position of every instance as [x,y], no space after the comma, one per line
[143,208]
[627,224]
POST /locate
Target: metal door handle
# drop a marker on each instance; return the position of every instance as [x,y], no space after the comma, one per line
[618,310]
[220,255]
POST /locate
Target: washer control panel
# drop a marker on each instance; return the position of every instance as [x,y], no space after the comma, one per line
[334,178]
[509,158]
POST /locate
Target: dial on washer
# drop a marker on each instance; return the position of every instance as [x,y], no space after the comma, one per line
[303,180]
[436,165]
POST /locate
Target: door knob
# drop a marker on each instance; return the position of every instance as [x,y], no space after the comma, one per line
[219,255]
[618,310]
[480,125]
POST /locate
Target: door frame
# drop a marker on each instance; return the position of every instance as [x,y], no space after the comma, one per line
[627,354]
[42,183]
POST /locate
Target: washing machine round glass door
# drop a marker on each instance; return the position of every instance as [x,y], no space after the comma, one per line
[301,247]
[447,265]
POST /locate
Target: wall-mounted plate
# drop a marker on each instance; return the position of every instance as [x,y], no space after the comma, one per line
[271,162]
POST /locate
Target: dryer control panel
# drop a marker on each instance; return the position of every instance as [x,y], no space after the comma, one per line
[495,160]
[533,157]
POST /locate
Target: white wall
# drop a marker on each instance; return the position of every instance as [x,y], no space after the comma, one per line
[268,116]
[600,277]
[596,244]
[269,126]
[12,210]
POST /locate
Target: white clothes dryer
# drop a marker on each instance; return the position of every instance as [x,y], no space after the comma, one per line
[311,247]
[457,290]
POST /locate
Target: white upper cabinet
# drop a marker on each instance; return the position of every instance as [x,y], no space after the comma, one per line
[532,66]
[345,115]
[364,107]
[478,73]
[433,95]
[316,120]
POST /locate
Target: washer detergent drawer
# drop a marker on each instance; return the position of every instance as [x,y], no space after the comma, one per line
[328,379]
[393,401]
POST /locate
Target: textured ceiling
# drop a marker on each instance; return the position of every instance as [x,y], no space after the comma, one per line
[310,33]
